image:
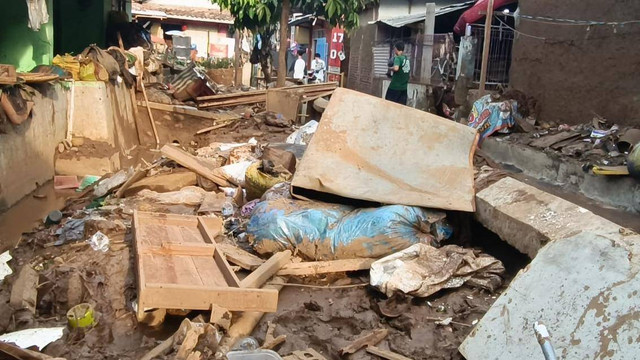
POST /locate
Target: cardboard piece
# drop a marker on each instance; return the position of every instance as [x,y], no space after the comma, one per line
[371,149]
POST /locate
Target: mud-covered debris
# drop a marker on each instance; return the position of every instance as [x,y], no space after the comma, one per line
[422,270]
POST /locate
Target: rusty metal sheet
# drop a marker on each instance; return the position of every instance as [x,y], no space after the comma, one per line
[371,149]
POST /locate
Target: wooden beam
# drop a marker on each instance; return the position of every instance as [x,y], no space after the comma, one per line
[178,249]
[369,339]
[486,47]
[190,110]
[174,296]
[244,325]
[193,163]
[263,273]
[325,267]
[385,354]
[242,258]
[211,128]
[427,43]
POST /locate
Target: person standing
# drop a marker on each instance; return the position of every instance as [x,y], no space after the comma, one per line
[299,68]
[318,66]
[401,68]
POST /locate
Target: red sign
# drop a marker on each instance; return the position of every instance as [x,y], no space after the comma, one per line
[336,53]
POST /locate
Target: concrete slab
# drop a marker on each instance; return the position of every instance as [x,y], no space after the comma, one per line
[583,282]
[527,218]
[93,113]
[584,288]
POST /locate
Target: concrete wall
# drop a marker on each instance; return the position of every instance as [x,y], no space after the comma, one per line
[27,150]
[19,45]
[393,8]
[361,41]
[578,70]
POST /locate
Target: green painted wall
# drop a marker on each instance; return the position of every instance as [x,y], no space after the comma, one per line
[19,45]
[79,23]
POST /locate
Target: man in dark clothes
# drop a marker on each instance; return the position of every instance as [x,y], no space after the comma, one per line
[401,68]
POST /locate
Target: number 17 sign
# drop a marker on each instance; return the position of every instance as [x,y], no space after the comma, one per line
[336,52]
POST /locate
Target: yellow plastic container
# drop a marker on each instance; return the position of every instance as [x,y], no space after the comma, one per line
[81,316]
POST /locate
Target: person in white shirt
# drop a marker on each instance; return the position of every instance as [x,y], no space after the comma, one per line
[318,66]
[299,68]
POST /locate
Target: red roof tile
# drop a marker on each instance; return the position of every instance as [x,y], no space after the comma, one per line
[183,12]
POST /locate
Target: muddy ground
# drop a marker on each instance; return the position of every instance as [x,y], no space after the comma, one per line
[322,313]
[310,314]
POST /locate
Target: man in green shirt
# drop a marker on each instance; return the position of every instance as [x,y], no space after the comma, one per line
[401,68]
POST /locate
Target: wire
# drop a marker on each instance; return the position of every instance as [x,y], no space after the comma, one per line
[555,21]
[519,32]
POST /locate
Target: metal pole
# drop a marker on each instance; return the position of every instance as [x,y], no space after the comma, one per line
[485,48]
[544,340]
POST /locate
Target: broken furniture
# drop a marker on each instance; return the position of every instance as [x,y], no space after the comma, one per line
[179,267]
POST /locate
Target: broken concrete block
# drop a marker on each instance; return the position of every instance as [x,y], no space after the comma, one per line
[367,148]
[584,288]
[24,292]
[527,218]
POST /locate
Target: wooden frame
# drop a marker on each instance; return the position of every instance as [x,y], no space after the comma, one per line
[179,267]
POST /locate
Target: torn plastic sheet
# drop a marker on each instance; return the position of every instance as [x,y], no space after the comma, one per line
[39,337]
[321,231]
[422,270]
[5,270]
[489,117]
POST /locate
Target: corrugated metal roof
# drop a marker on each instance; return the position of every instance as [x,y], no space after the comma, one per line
[404,20]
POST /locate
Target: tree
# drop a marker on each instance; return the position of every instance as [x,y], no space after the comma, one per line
[260,15]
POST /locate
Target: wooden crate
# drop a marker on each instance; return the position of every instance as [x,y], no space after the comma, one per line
[179,267]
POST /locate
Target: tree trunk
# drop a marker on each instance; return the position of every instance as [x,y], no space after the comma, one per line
[237,62]
[282,53]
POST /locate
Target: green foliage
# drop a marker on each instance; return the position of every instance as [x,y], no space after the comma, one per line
[217,63]
[252,14]
[258,14]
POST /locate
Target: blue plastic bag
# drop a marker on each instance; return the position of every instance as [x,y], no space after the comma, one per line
[320,231]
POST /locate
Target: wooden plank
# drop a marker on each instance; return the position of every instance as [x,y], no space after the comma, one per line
[369,339]
[193,163]
[385,354]
[325,267]
[211,128]
[210,228]
[546,141]
[140,174]
[190,110]
[263,273]
[179,249]
[486,47]
[285,102]
[240,257]
[231,95]
[174,296]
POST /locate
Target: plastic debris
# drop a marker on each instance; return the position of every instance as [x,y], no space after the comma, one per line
[72,230]
[422,270]
[320,231]
[87,181]
[39,337]
[99,242]
[106,185]
[489,117]
[5,270]
[303,135]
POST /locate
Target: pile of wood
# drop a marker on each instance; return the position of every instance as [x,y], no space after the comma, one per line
[260,96]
